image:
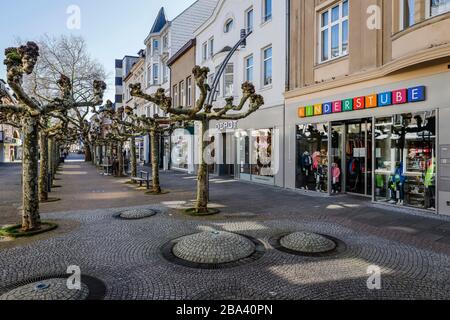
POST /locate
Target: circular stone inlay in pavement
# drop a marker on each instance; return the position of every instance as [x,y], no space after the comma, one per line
[134,214]
[307,242]
[213,250]
[50,289]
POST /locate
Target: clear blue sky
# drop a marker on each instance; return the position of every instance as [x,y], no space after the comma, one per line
[112,28]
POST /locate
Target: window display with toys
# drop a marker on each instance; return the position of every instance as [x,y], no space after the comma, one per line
[406,160]
[312,157]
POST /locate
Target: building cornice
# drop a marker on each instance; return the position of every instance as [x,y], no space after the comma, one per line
[427,55]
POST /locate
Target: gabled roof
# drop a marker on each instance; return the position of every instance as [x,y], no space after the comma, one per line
[160,21]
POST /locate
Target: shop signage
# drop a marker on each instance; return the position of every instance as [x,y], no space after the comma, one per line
[402,96]
[228,125]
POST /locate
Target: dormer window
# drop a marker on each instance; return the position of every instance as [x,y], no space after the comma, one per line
[228,25]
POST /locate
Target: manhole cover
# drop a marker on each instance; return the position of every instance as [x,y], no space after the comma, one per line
[51,289]
[213,249]
[135,214]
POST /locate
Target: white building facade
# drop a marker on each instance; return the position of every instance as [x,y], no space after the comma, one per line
[248,149]
[164,40]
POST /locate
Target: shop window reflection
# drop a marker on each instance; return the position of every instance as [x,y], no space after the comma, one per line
[406,159]
[312,157]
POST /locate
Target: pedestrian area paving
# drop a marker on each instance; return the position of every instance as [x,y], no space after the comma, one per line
[129,256]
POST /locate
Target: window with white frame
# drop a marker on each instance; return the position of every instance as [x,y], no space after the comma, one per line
[189,92]
[437,7]
[204,51]
[267,66]
[228,25]
[165,73]
[333,37]
[166,41]
[249,68]
[267,10]
[211,47]
[407,13]
[182,94]
[149,75]
[155,46]
[249,19]
[175,96]
[155,74]
[228,80]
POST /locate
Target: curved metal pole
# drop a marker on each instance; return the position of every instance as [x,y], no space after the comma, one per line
[216,81]
[222,67]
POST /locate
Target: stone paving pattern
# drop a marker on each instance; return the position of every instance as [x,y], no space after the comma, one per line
[413,252]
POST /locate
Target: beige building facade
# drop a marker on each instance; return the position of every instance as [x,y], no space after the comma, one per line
[368,100]
[183,92]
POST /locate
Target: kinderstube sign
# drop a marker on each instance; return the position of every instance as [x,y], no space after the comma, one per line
[385,99]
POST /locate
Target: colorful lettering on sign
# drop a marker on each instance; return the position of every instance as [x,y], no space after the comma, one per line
[309,111]
[400,96]
[327,108]
[359,103]
[337,106]
[385,99]
[371,101]
[301,112]
[347,105]
[414,94]
[317,109]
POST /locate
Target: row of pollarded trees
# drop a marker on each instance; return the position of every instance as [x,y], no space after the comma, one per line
[45,96]
[128,124]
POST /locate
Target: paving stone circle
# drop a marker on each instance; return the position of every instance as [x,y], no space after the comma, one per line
[307,242]
[50,289]
[213,250]
[213,247]
[135,214]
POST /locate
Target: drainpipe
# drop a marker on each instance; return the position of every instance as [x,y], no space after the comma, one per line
[287,83]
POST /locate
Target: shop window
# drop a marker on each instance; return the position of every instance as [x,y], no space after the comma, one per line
[406,160]
[312,158]
[243,153]
[262,153]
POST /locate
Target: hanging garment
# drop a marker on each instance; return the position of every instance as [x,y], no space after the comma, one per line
[335,174]
[315,160]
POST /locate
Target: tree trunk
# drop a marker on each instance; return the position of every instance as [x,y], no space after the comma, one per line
[87,152]
[30,217]
[156,187]
[43,168]
[133,160]
[201,205]
[120,158]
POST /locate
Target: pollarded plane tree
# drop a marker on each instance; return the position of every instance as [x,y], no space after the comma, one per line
[67,55]
[20,61]
[155,127]
[203,113]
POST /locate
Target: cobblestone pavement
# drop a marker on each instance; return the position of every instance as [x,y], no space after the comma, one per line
[411,251]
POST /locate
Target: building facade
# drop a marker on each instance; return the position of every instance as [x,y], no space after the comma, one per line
[183,91]
[10,137]
[248,149]
[165,39]
[368,103]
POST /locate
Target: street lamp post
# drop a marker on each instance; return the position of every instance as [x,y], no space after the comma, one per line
[211,95]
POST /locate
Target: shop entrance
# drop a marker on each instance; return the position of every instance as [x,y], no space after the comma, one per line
[351,152]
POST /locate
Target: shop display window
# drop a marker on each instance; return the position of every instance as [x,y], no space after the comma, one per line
[262,153]
[312,157]
[180,150]
[405,159]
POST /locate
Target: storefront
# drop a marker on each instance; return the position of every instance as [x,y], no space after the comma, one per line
[182,150]
[385,143]
[250,149]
